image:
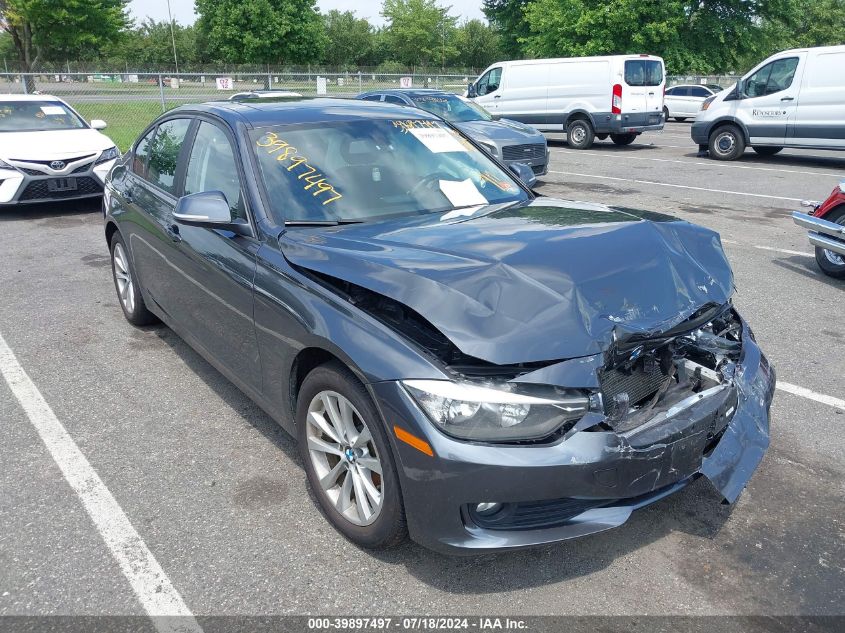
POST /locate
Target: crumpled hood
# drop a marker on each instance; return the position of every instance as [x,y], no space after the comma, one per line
[53,144]
[503,131]
[542,281]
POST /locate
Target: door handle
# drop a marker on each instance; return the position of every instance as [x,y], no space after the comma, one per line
[173,231]
[787,98]
[497,96]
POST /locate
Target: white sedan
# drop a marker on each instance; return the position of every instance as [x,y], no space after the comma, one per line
[49,152]
[684,102]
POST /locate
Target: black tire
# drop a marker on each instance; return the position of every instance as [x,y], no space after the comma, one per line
[132,303]
[680,119]
[580,134]
[665,113]
[824,258]
[389,527]
[726,143]
[623,139]
[764,150]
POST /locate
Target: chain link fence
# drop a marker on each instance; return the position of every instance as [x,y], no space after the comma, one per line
[128,102]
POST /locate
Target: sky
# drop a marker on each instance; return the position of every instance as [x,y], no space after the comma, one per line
[183,10]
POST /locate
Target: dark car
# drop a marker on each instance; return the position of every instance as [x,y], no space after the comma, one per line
[459,359]
[510,141]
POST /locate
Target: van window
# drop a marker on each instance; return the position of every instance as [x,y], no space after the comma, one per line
[772,78]
[489,82]
[643,72]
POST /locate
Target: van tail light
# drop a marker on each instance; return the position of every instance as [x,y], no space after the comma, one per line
[616,103]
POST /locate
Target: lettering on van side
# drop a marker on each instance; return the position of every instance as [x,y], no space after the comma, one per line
[769,113]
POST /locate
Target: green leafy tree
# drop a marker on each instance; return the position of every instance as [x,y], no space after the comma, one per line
[477,45]
[350,40]
[150,46]
[508,19]
[61,29]
[261,31]
[419,32]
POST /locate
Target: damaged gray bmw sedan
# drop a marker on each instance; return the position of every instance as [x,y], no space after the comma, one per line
[462,361]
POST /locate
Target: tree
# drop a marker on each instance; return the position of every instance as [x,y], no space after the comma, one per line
[477,45]
[419,32]
[261,31]
[150,46]
[61,29]
[350,40]
[508,19]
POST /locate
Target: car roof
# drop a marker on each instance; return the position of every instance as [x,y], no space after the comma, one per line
[14,97]
[264,112]
[412,92]
[691,86]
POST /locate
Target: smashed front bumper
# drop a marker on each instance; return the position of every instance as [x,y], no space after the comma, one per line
[586,483]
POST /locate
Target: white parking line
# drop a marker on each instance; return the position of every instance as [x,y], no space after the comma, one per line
[715,164]
[784,250]
[157,595]
[811,395]
[666,184]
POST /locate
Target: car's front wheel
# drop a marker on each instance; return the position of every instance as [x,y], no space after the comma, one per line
[347,458]
[128,293]
[832,264]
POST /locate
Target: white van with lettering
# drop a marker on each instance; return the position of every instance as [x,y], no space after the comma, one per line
[620,96]
[793,99]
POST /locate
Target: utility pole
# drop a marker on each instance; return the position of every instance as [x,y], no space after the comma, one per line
[172,37]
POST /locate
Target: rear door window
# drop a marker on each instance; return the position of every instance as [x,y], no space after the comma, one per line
[164,153]
[393,99]
[700,92]
[643,72]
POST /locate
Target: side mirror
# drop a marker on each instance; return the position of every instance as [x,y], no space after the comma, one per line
[740,88]
[842,186]
[98,124]
[524,173]
[209,209]
[471,91]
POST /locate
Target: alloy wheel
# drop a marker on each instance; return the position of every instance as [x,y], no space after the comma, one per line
[345,458]
[123,277]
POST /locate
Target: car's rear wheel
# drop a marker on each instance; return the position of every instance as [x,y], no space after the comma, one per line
[128,293]
[623,139]
[347,458]
[832,264]
[665,113]
[580,134]
[726,143]
[764,150]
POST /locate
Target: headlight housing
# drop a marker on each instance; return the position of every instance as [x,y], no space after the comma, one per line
[501,413]
[706,103]
[109,154]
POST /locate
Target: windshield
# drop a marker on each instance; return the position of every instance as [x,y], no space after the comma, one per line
[643,72]
[452,108]
[365,169]
[37,116]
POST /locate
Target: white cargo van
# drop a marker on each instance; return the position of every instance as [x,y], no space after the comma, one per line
[619,96]
[793,99]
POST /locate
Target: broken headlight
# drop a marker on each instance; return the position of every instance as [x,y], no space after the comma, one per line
[497,413]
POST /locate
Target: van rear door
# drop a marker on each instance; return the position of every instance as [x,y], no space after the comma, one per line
[820,116]
[643,81]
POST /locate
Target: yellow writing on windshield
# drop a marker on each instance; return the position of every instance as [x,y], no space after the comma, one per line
[414,124]
[308,175]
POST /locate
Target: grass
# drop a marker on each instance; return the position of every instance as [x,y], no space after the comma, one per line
[126,119]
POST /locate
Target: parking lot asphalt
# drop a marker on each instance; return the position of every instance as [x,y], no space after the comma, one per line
[215,490]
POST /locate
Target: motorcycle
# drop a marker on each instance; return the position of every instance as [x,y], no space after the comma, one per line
[826,224]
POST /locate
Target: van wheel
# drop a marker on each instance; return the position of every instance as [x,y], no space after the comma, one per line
[623,139]
[726,143]
[580,134]
[680,119]
[766,151]
[832,264]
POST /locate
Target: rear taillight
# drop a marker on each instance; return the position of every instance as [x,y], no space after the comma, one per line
[616,103]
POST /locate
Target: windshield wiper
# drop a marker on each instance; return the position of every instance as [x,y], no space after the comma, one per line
[320,222]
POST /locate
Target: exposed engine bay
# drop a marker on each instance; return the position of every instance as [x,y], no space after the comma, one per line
[644,381]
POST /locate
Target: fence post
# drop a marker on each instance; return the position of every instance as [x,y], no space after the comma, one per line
[161,92]
[359,82]
[23,83]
